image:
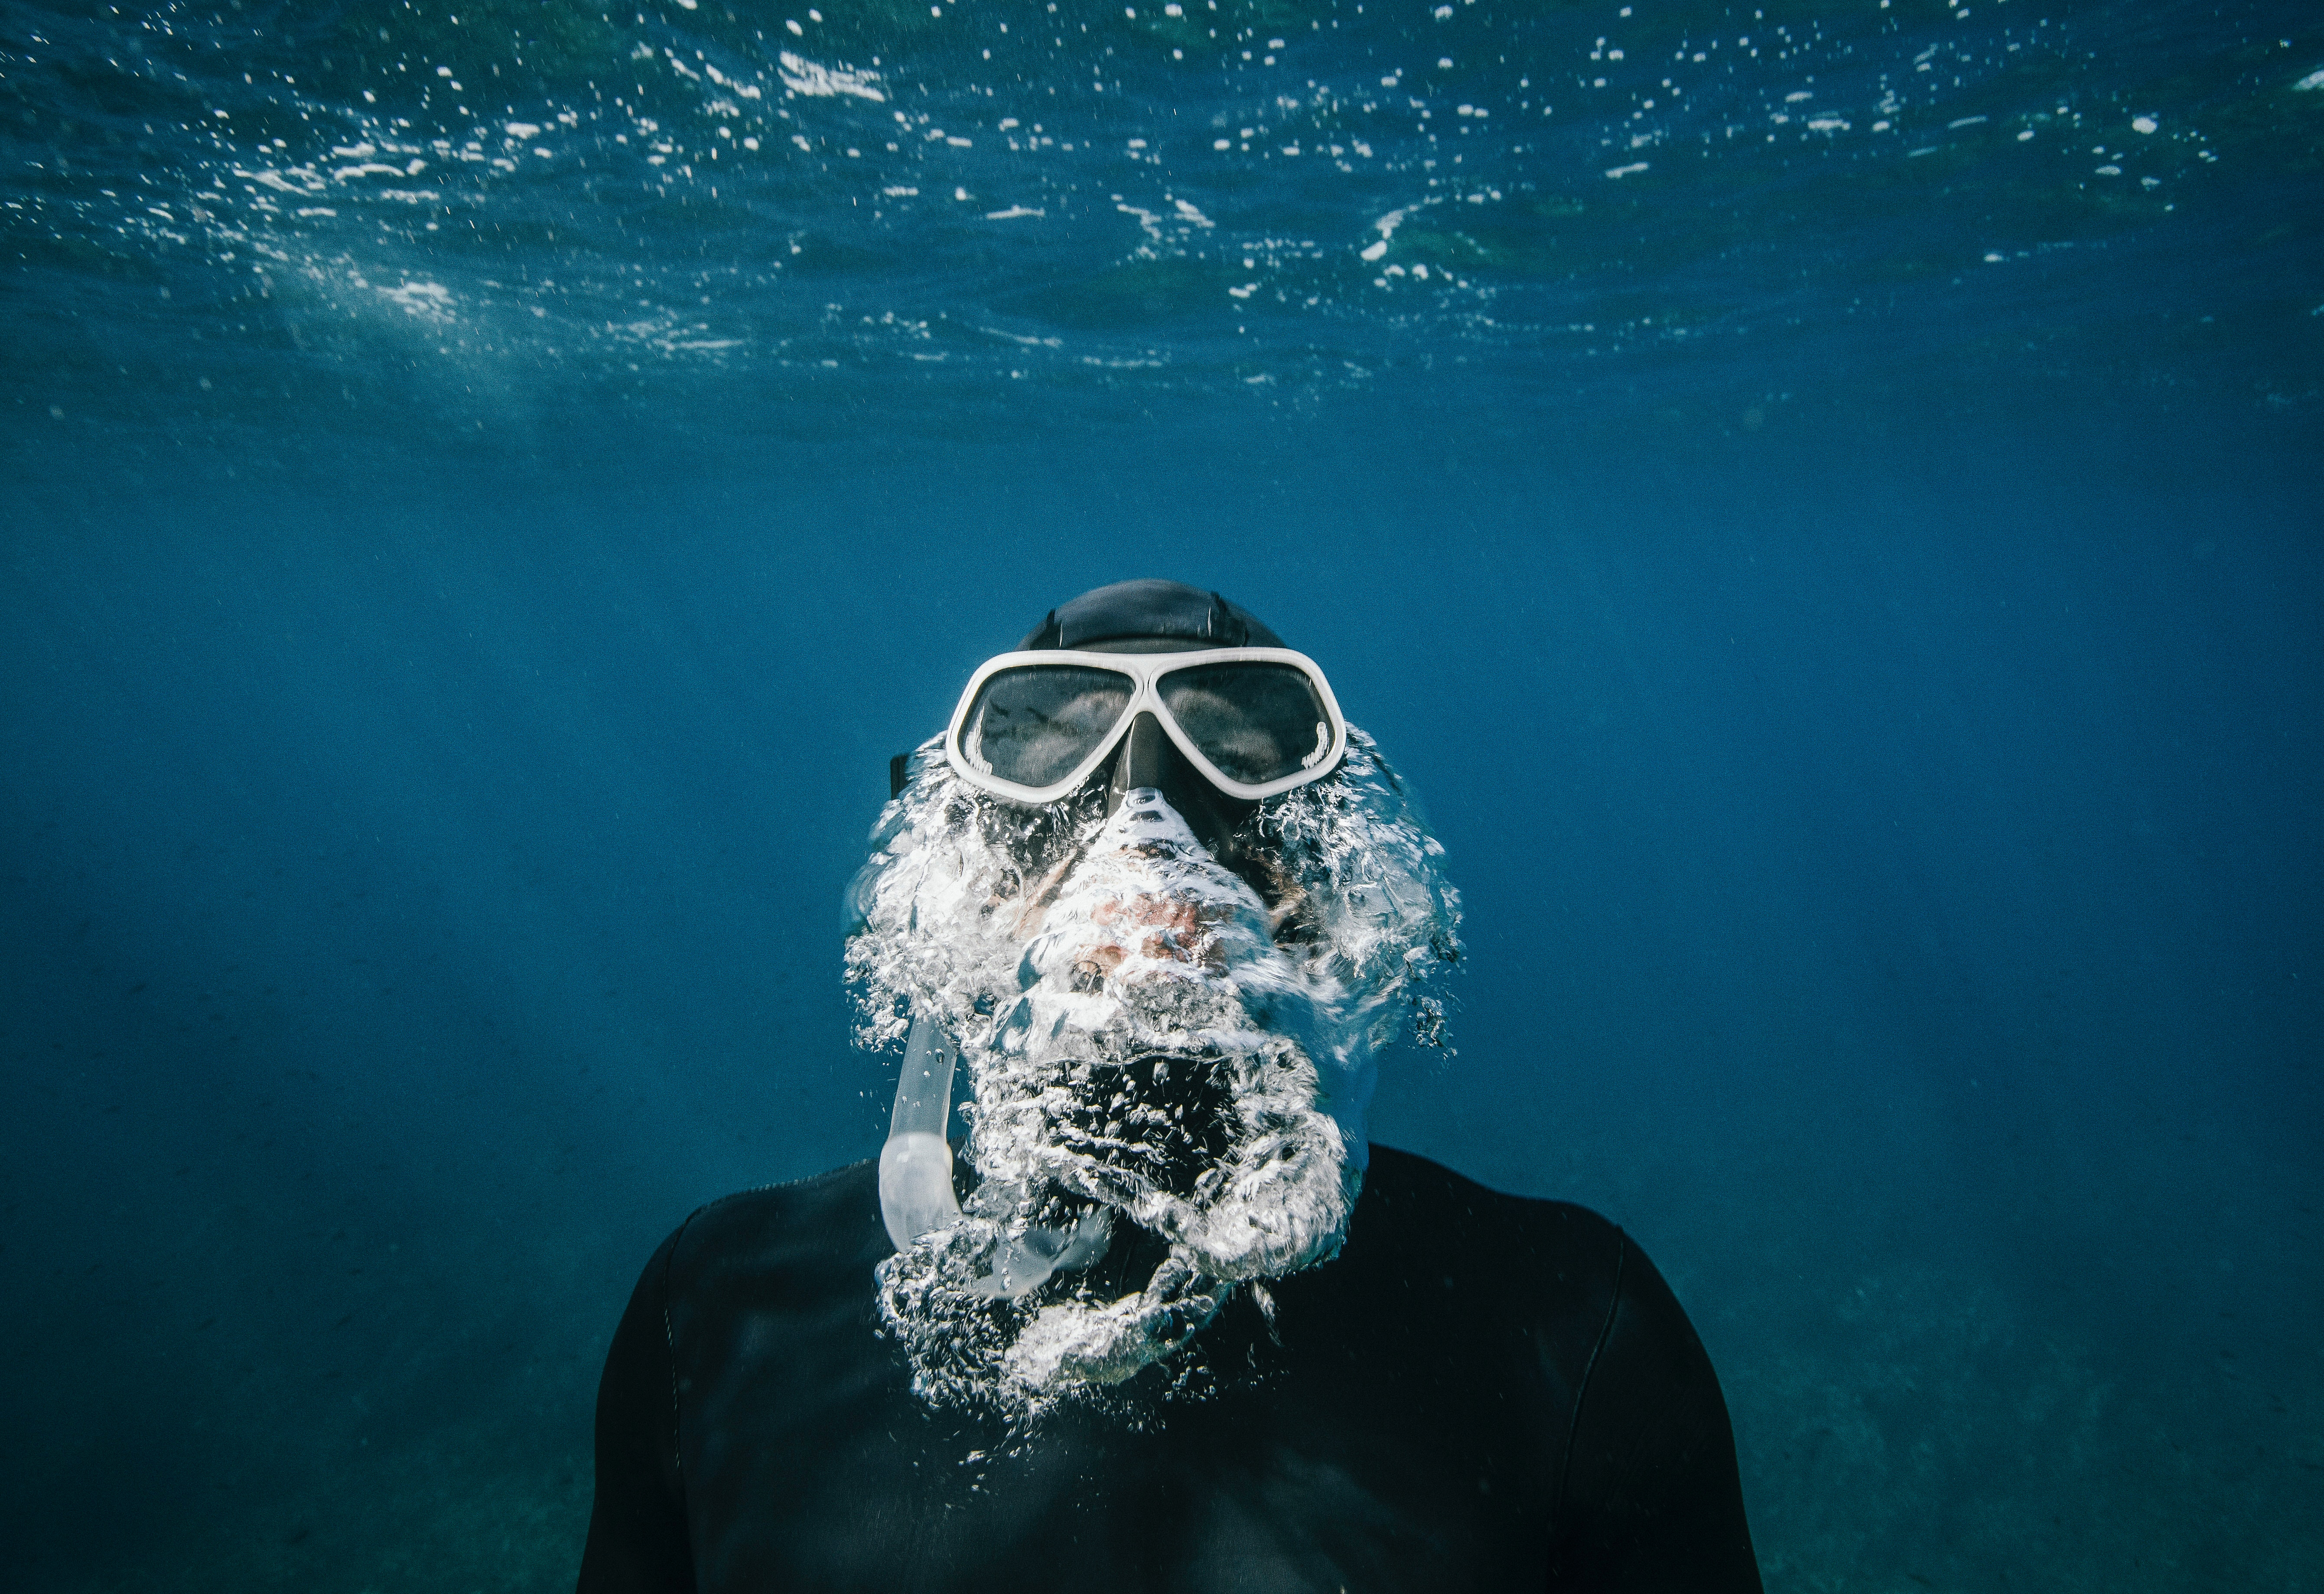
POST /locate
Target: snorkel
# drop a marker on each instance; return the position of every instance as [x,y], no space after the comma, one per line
[916,1193]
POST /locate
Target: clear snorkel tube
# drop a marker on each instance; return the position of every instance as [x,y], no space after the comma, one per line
[916,1164]
[915,1196]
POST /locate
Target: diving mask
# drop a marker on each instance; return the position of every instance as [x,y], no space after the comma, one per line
[1255,721]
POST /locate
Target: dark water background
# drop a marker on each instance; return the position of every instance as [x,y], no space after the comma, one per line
[1849,595]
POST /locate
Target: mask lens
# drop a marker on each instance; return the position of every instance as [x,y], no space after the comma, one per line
[1032,725]
[1257,721]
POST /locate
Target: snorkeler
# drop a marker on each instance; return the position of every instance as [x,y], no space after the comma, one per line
[1171,1322]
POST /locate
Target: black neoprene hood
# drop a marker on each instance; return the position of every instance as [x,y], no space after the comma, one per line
[1150,608]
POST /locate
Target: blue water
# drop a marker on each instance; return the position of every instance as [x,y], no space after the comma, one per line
[1830,525]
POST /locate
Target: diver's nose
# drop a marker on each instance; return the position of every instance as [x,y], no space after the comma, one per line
[1150,760]
[1147,759]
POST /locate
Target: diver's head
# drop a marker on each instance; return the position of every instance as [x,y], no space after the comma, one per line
[1167,905]
[1087,701]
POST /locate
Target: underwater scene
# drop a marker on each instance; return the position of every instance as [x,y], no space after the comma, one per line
[1814,514]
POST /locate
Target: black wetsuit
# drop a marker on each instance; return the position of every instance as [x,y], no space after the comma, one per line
[1480,1392]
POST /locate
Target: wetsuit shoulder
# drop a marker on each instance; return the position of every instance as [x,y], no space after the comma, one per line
[638,1540]
[808,1234]
[1405,1182]
[1542,1261]
[1652,1498]
[806,1238]
[1647,1494]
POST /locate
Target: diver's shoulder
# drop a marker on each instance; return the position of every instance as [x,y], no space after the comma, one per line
[1417,1188]
[1471,1262]
[824,1219]
[843,1182]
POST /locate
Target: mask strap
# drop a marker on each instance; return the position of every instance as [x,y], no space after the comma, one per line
[916,1164]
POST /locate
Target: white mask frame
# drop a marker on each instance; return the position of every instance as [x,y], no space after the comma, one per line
[1146,672]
